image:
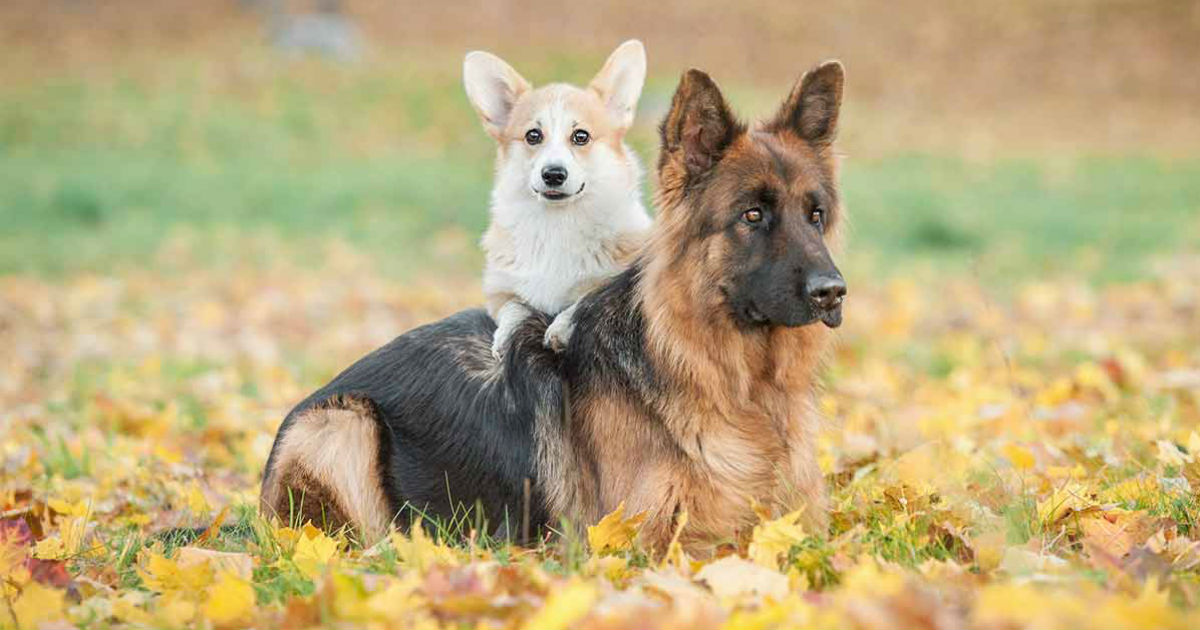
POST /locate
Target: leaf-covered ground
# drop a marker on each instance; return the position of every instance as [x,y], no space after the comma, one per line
[1026,460]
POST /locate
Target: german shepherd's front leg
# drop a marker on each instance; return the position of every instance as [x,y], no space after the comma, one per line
[805,485]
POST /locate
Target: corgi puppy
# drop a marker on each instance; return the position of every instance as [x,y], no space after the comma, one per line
[566,207]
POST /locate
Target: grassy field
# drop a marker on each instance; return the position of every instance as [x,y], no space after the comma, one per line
[197,232]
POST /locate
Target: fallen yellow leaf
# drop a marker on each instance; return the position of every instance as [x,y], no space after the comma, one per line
[165,575]
[419,551]
[230,599]
[772,539]
[314,553]
[38,605]
[563,607]
[614,532]
[1020,457]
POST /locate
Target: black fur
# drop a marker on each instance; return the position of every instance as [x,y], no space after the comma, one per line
[452,438]
[456,431]
[607,350]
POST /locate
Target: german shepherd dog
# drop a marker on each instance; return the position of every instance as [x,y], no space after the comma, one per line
[686,386]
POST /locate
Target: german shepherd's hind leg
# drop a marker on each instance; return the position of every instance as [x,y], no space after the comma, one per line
[327,470]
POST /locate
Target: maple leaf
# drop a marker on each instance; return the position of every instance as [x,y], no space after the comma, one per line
[67,542]
[14,540]
[37,605]
[230,599]
[774,538]
[614,532]
[68,508]
[398,599]
[1020,456]
[175,610]
[1067,499]
[563,607]
[1116,532]
[418,550]
[166,575]
[313,553]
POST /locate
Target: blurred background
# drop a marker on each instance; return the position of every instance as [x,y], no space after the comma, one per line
[1004,140]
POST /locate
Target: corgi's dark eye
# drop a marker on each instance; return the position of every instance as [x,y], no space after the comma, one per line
[581,137]
[817,216]
[533,136]
[753,216]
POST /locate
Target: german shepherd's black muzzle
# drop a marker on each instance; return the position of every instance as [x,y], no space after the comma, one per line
[801,288]
[826,292]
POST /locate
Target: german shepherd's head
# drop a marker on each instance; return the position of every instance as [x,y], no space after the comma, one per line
[751,212]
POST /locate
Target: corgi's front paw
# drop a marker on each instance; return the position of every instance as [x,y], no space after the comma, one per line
[508,320]
[499,342]
[558,333]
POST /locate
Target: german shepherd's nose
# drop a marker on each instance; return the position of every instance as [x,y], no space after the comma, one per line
[554,175]
[826,291]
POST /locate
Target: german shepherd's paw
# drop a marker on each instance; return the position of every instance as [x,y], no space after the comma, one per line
[558,333]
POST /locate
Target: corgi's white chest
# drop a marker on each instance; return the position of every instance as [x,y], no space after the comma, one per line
[549,259]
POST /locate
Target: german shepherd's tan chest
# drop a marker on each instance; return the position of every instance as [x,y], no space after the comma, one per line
[713,467]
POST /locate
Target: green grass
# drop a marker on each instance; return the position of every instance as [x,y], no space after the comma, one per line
[99,174]
[71,210]
[1106,218]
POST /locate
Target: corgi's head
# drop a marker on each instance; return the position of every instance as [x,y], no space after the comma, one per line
[559,143]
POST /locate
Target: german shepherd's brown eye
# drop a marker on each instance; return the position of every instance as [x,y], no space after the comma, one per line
[533,136]
[817,217]
[580,137]
[753,215]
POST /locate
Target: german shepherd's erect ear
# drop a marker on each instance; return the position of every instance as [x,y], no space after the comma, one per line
[811,110]
[696,132]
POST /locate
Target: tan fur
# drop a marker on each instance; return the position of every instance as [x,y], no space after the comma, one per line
[328,461]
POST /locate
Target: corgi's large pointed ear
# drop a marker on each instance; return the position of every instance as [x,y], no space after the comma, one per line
[811,110]
[698,128]
[493,88]
[619,82]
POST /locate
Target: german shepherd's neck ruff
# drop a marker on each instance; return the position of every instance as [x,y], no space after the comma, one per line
[690,375]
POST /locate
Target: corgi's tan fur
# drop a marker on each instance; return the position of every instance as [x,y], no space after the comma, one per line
[548,245]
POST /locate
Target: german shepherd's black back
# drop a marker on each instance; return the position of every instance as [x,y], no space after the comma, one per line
[453,429]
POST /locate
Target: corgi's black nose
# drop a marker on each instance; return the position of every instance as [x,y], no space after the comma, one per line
[554,175]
